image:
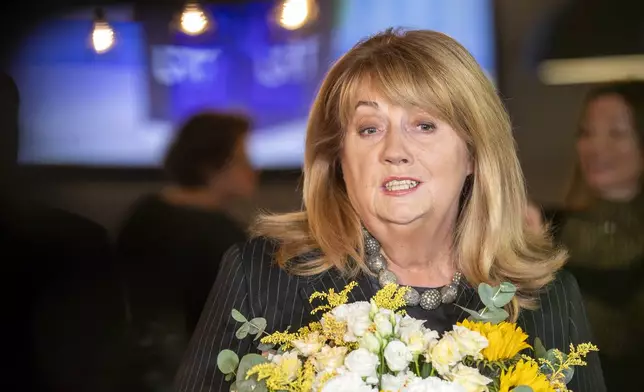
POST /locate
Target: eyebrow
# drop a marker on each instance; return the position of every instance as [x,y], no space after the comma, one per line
[372,104]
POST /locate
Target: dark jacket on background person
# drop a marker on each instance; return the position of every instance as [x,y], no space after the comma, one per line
[169,256]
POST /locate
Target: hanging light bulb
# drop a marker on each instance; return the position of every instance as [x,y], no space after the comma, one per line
[102,33]
[293,14]
[194,20]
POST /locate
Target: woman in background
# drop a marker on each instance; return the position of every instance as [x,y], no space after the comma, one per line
[171,244]
[603,225]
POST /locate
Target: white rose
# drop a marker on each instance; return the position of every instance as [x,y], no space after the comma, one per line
[409,324]
[329,358]
[415,335]
[383,320]
[469,378]
[356,315]
[347,382]
[432,384]
[397,356]
[363,363]
[371,342]
[391,383]
[444,354]
[310,345]
[289,362]
[469,342]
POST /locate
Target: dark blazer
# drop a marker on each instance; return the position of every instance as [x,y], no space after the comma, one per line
[250,282]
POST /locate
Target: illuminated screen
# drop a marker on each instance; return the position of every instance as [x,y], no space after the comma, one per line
[120,108]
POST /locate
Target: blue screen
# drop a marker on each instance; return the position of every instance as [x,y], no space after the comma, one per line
[121,108]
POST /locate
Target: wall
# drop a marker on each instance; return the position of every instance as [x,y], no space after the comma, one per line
[544,117]
[544,120]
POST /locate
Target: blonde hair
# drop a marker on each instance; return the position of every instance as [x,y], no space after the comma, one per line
[579,194]
[430,70]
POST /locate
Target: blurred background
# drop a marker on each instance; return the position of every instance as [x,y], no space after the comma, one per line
[105,89]
[151,79]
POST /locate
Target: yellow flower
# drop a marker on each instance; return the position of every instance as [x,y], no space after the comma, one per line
[280,373]
[505,340]
[524,373]
[391,297]
[333,299]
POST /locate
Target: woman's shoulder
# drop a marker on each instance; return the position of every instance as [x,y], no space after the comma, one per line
[257,256]
[558,298]
[252,253]
[562,290]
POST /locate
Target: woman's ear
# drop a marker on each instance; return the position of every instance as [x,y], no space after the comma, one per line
[470,164]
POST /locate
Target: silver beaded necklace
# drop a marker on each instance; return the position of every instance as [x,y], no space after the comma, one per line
[430,299]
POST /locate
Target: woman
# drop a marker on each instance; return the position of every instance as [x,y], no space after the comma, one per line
[168,243]
[603,226]
[409,155]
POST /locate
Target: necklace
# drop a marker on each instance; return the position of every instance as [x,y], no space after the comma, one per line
[429,299]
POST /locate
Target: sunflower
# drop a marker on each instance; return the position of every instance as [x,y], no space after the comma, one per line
[525,373]
[505,340]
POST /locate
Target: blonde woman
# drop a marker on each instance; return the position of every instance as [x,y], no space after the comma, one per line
[410,175]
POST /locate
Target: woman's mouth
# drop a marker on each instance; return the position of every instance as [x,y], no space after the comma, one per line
[399,186]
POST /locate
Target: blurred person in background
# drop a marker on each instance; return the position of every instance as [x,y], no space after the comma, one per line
[171,244]
[602,224]
[61,295]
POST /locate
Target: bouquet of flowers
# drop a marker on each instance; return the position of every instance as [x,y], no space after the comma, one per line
[375,347]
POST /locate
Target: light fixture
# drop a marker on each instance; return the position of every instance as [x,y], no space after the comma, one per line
[592,70]
[102,33]
[194,20]
[592,41]
[294,14]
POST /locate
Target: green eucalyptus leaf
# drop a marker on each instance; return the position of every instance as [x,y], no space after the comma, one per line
[486,293]
[539,348]
[568,373]
[247,362]
[265,347]
[507,287]
[229,376]
[493,316]
[501,299]
[522,388]
[227,361]
[251,385]
[242,332]
[552,357]
[257,326]
[238,316]
[474,315]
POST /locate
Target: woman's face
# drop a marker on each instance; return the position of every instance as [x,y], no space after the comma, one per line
[238,179]
[608,147]
[402,165]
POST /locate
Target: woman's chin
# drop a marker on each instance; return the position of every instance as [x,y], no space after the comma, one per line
[403,218]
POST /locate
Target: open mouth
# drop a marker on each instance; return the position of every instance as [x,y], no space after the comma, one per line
[400,185]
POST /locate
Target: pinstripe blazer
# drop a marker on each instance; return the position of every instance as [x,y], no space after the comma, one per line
[249,281]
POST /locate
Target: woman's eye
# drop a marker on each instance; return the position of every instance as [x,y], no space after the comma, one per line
[368,131]
[427,127]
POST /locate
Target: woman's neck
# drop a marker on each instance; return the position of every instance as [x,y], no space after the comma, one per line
[202,198]
[620,195]
[419,256]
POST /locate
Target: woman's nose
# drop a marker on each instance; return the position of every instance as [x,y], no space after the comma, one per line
[396,151]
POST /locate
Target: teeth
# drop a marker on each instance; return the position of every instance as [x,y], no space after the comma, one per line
[401,185]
